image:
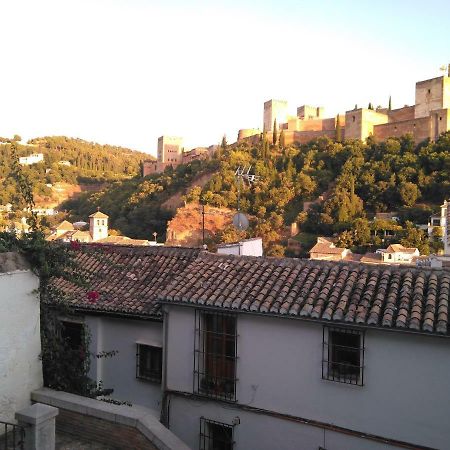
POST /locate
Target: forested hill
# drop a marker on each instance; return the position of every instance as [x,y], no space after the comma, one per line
[68,160]
[359,179]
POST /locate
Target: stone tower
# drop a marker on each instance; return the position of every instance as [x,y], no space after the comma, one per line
[275,109]
[98,226]
[170,150]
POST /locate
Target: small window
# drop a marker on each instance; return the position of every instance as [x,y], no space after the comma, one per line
[429,91]
[343,355]
[353,118]
[98,222]
[149,363]
[103,222]
[215,435]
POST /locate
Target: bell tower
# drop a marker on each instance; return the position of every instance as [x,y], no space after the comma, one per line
[98,226]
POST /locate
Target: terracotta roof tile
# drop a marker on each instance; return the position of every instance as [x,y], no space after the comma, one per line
[128,279]
[405,299]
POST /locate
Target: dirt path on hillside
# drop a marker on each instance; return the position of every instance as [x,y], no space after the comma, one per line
[175,201]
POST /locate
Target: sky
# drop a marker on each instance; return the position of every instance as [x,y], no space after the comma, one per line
[125,72]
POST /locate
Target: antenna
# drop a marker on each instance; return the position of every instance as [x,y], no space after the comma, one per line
[242,174]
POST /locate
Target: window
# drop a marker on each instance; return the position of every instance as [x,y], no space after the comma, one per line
[215,355]
[215,435]
[343,355]
[73,334]
[149,362]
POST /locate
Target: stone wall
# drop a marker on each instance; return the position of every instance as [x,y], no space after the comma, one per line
[103,431]
[419,128]
[430,95]
[400,114]
[120,426]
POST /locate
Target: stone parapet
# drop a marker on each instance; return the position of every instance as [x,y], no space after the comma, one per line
[119,425]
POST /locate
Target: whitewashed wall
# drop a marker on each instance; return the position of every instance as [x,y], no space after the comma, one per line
[405,396]
[119,372]
[20,343]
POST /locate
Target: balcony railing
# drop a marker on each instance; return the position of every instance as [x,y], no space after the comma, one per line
[12,436]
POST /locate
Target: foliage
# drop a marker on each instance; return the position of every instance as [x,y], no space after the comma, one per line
[64,367]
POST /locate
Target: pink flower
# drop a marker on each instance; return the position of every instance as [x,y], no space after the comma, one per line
[75,245]
[93,296]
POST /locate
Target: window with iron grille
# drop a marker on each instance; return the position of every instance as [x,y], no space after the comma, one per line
[343,355]
[149,362]
[215,435]
[215,355]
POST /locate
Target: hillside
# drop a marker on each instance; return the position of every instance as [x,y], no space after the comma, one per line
[70,166]
[360,179]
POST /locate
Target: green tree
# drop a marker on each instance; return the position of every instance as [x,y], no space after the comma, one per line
[282,139]
[275,133]
[390,104]
[409,193]
[338,129]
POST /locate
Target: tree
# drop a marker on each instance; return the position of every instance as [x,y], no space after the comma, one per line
[338,129]
[390,104]
[282,139]
[416,238]
[224,144]
[370,106]
[275,133]
[409,193]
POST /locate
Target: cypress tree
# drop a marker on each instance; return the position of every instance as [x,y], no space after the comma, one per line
[338,129]
[390,103]
[275,133]
[282,139]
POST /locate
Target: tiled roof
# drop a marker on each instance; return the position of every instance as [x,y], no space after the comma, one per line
[98,215]
[402,299]
[65,225]
[327,248]
[124,279]
[399,248]
[123,240]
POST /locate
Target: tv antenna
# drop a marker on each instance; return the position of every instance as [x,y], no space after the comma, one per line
[242,174]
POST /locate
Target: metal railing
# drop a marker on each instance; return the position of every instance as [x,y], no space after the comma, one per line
[12,436]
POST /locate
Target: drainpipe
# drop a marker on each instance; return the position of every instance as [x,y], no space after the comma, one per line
[164,418]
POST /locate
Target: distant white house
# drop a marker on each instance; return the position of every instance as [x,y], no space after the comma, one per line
[31,159]
[64,163]
[246,247]
[20,343]
[396,253]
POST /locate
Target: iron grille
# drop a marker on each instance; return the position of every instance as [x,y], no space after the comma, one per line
[343,355]
[215,355]
[12,436]
[149,362]
[215,435]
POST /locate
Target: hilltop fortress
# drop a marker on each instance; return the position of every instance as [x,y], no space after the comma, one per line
[426,119]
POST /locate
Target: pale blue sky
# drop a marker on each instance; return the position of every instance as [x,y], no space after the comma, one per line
[127,71]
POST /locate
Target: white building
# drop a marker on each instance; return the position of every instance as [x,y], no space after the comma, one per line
[20,342]
[246,247]
[397,254]
[31,159]
[126,317]
[266,353]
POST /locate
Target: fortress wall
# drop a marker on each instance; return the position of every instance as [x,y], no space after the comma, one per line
[405,113]
[247,132]
[430,95]
[359,123]
[313,125]
[419,128]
